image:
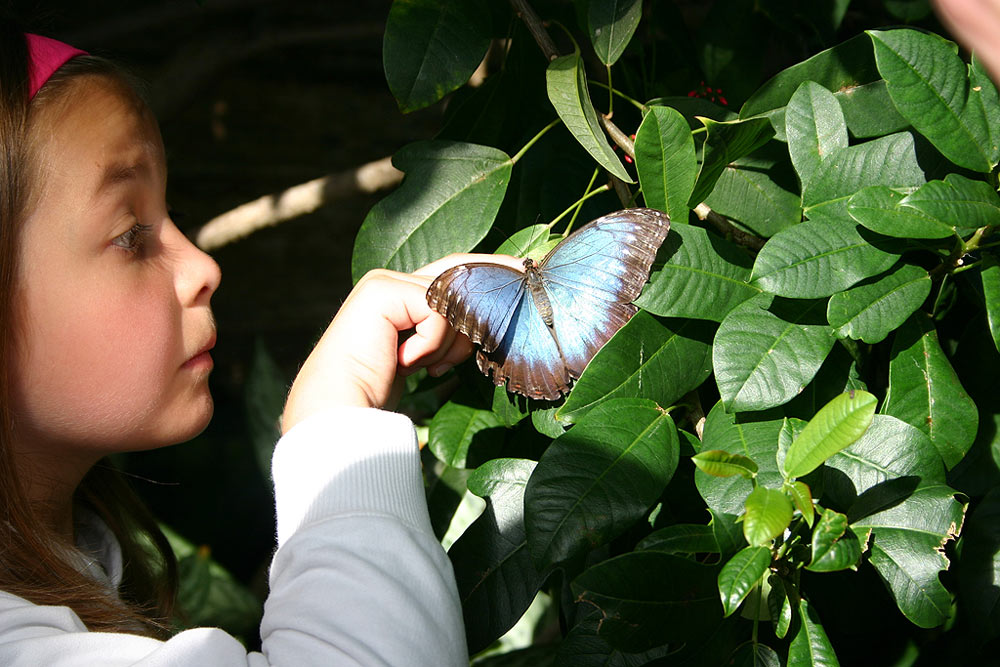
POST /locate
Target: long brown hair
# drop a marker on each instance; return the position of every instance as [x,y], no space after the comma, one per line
[33,565]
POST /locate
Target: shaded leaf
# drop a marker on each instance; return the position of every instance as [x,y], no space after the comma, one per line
[453,428]
[598,479]
[611,25]
[991,297]
[682,538]
[810,645]
[726,142]
[430,48]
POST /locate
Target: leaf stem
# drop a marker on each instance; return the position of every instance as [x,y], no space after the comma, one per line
[531,141]
[611,94]
[577,204]
[638,105]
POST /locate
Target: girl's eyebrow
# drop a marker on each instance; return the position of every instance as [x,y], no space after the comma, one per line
[119,173]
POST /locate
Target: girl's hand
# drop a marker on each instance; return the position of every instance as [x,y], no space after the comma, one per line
[358,360]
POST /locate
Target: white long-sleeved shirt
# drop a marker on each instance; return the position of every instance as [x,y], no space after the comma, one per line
[358,577]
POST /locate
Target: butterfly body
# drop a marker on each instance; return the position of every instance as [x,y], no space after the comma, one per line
[538,329]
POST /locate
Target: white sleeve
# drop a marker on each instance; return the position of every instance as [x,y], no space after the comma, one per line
[358,577]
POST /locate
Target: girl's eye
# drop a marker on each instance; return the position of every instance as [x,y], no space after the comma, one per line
[133,239]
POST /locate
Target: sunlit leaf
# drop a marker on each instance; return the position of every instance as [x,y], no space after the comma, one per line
[839,423]
[768,513]
[665,161]
[872,310]
[718,463]
[740,574]
[810,644]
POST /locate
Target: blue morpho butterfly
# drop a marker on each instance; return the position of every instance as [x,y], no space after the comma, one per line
[538,329]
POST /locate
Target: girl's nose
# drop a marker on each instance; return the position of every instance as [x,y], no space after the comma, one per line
[198,275]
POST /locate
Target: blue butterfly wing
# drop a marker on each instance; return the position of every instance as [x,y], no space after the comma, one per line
[478,299]
[592,277]
[490,303]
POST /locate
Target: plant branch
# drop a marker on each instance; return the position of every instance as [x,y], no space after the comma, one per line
[620,138]
[536,28]
[727,229]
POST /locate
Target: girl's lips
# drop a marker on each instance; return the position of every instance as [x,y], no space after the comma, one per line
[203,356]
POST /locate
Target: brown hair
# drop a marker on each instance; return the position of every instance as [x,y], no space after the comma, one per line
[33,565]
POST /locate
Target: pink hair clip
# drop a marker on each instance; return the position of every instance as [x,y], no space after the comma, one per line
[45,56]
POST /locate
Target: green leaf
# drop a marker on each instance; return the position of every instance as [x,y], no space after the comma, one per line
[453,429]
[718,463]
[906,550]
[650,597]
[647,358]
[779,605]
[761,360]
[740,574]
[958,202]
[431,47]
[446,203]
[755,655]
[817,258]
[496,578]
[849,70]
[890,449]
[611,24]
[929,85]
[665,161]
[979,571]
[584,646]
[599,478]
[704,278]
[756,440]
[683,538]
[532,241]
[834,545]
[873,309]
[810,645]
[726,142]
[878,209]
[890,161]
[925,391]
[991,296]
[801,497]
[814,127]
[768,513]
[566,82]
[838,423]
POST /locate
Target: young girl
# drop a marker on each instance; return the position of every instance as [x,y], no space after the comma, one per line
[104,305]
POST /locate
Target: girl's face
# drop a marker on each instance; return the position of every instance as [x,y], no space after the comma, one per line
[114,315]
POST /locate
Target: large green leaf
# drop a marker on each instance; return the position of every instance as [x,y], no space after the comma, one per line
[665,161]
[817,258]
[991,297]
[431,47]
[959,203]
[875,308]
[611,24]
[761,360]
[648,598]
[879,209]
[925,391]
[453,429]
[814,127]
[446,203]
[584,646]
[906,549]
[599,478]
[768,513]
[755,440]
[647,358]
[740,574]
[704,277]
[890,161]
[810,645]
[849,70]
[566,82]
[929,85]
[496,578]
[726,142]
[890,449]
[838,424]
[681,538]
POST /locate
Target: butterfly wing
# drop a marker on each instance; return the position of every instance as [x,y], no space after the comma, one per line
[490,303]
[592,277]
[478,299]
